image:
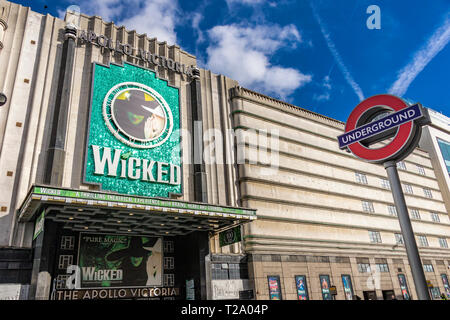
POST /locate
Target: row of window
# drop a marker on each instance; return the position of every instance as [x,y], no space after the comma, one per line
[362,178]
[68,243]
[407,188]
[367,206]
[365,267]
[383,267]
[375,237]
[226,271]
[168,280]
[65,260]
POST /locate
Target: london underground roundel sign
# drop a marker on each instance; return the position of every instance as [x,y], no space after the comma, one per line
[378,119]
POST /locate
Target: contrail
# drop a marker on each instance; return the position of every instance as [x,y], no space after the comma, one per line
[337,56]
[434,45]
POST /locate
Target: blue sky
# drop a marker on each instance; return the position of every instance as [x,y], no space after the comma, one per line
[316,54]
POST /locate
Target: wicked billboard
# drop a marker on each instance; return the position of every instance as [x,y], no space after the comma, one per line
[133,145]
[120,261]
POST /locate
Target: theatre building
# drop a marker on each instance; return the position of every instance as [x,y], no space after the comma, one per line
[98,178]
[127,172]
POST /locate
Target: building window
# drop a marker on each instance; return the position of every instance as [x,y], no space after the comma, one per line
[428,268]
[234,271]
[368,206]
[225,271]
[375,237]
[415,214]
[169,280]
[65,261]
[61,281]
[401,165]
[421,170]
[423,241]
[443,243]
[168,246]
[407,188]
[169,263]
[435,217]
[445,152]
[219,271]
[385,184]
[67,242]
[361,178]
[399,238]
[364,267]
[392,211]
[382,267]
[427,193]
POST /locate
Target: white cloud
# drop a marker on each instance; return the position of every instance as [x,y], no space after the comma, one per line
[156,18]
[337,57]
[242,53]
[434,45]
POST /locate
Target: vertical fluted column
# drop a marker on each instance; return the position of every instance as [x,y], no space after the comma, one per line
[56,154]
[200,191]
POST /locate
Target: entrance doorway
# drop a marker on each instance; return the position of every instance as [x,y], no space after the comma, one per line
[370,295]
[388,295]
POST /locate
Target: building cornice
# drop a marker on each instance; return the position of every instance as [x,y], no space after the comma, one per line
[111,24]
[240,92]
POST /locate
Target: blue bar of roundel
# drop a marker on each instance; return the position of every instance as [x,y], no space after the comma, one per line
[417,114]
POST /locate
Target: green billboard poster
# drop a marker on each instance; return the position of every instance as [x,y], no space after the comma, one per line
[120,261]
[230,236]
[133,143]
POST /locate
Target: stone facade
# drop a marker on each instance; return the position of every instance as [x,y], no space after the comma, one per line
[316,204]
[311,216]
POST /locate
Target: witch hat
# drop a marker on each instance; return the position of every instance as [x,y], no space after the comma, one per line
[135,249]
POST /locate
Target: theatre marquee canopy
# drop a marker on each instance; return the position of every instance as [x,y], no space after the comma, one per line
[81,210]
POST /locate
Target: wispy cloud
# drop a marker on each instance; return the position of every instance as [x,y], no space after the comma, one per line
[326,90]
[337,57]
[438,40]
[197,17]
[231,3]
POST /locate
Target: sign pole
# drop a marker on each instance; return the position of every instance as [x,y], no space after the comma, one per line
[407,231]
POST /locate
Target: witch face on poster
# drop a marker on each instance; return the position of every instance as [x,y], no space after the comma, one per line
[134,261]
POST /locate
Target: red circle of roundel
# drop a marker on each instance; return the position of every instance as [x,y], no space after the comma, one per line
[401,138]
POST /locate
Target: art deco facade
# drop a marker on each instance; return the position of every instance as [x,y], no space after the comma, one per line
[324,212]
[321,214]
